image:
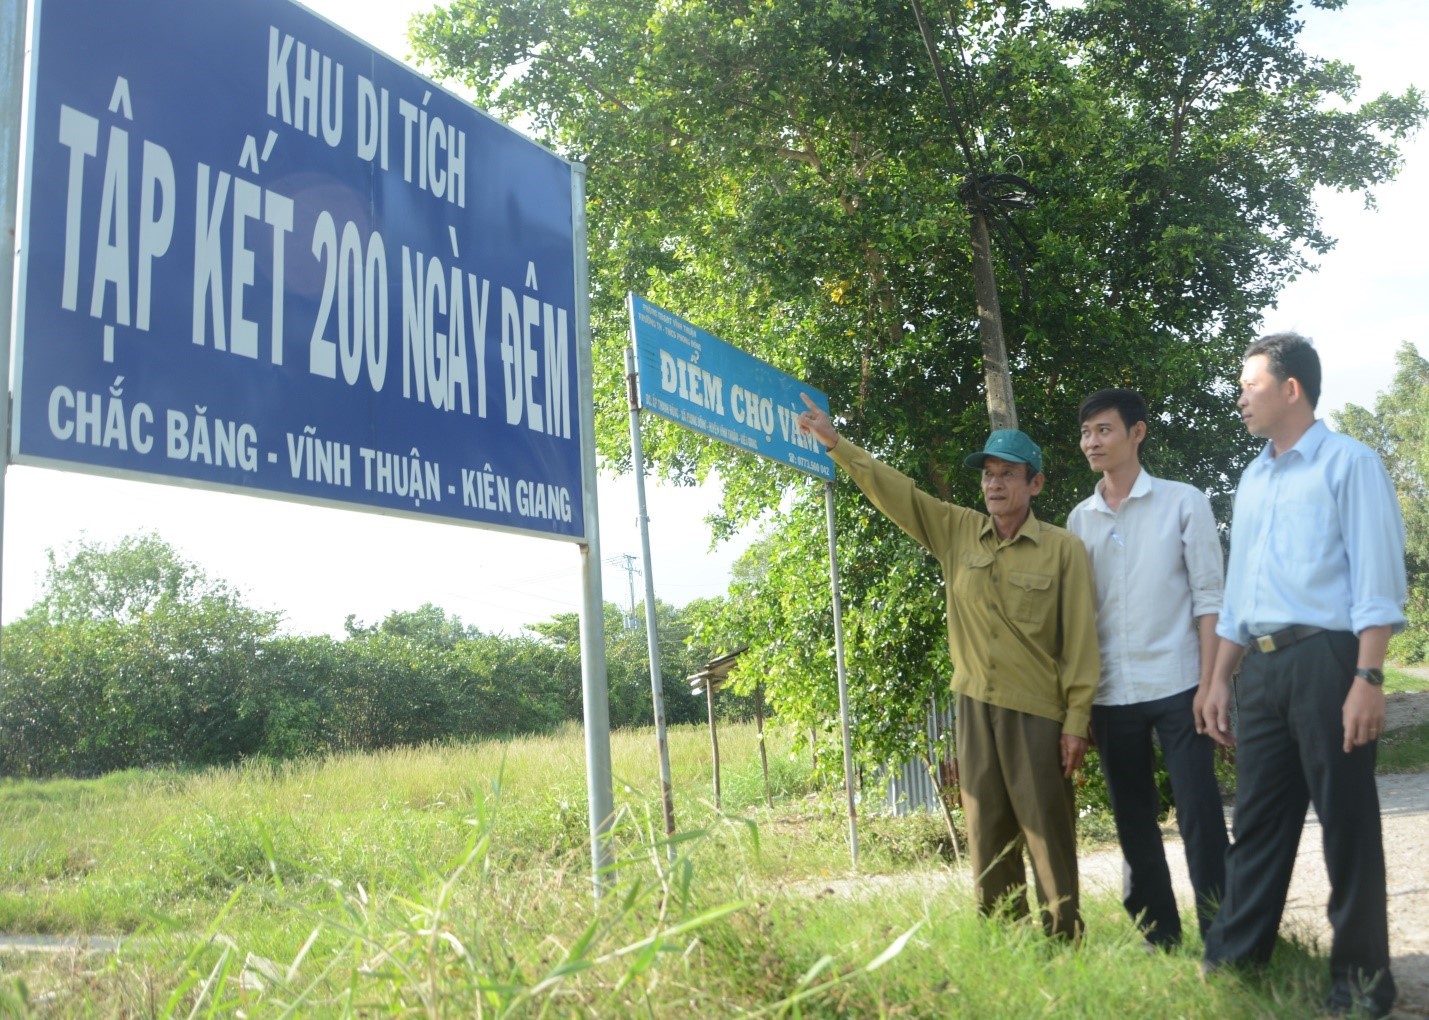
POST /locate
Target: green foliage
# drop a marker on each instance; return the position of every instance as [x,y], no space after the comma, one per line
[426,625]
[1398,430]
[1412,643]
[138,576]
[627,660]
[895,635]
[785,175]
[295,696]
[132,657]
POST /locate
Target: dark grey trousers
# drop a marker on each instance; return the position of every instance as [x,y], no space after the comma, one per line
[1290,753]
[1128,760]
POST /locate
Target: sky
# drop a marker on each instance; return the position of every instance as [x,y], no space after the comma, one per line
[318,565]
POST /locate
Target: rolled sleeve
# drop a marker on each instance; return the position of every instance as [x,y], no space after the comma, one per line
[1228,627]
[1374,545]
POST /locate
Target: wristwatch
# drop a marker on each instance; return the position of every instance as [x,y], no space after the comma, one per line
[1374,676]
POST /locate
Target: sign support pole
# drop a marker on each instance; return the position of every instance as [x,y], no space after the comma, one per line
[652,637]
[843,673]
[595,688]
[12,89]
[699,381]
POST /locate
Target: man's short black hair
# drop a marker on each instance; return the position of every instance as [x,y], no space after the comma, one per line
[1290,356]
[1128,404]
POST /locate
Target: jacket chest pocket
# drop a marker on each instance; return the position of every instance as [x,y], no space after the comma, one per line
[1031,595]
[974,576]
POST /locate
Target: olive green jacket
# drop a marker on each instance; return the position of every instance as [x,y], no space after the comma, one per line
[1021,613]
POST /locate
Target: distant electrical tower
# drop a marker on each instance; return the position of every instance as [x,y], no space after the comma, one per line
[627,560]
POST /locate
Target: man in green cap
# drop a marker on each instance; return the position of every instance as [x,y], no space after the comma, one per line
[1023,637]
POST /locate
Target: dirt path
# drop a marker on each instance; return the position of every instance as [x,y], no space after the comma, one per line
[1404,808]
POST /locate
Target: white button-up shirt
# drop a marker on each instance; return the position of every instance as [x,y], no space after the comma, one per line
[1158,566]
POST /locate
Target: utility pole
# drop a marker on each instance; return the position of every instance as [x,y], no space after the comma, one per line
[627,561]
[982,194]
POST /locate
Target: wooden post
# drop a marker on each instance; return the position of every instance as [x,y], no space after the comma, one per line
[714,737]
[763,752]
[709,680]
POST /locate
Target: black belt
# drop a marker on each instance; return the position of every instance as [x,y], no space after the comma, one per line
[1285,638]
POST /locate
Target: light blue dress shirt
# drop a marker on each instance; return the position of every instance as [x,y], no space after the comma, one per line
[1158,566]
[1316,539]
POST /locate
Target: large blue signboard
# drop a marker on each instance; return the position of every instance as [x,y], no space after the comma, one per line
[698,380]
[257,255]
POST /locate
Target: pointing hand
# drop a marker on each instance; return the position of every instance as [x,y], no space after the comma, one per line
[816,423]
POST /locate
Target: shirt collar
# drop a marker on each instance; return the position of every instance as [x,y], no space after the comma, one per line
[1139,488]
[1031,529]
[1308,445]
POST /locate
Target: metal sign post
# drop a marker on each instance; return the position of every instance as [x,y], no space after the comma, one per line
[595,685]
[698,380]
[652,637]
[842,672]
[12,85]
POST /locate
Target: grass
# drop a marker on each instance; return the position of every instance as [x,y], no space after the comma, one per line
[1398,680]
[1404,750]
[1407,749]
[455,881]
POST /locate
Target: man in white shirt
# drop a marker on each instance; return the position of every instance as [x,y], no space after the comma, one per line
[1158,567]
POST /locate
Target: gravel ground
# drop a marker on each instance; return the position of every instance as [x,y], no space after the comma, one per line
[1404,808]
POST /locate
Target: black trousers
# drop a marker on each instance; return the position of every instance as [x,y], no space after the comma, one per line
[1124,743]
[1290,753]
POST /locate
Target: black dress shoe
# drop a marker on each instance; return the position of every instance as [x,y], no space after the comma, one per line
[1343,1002]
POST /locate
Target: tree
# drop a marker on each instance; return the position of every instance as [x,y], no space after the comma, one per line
[783,174]
[131,656]
[136,576]
[985,195]
[627,657]
[1398,430]
[428,624]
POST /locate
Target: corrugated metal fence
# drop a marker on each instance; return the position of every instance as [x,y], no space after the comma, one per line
[910,787]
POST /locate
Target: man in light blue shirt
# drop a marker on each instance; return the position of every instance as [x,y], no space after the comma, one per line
[1157,562]
[1314,590]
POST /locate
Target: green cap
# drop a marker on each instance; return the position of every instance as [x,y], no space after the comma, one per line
[1008,444]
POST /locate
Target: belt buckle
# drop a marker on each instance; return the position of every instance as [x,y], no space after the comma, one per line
[1266,643]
